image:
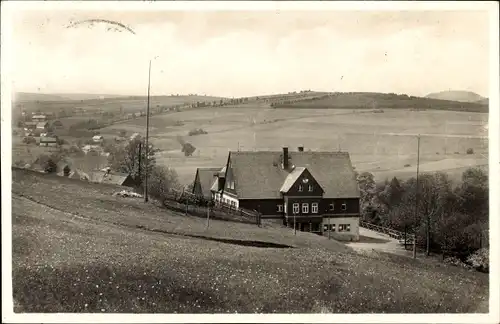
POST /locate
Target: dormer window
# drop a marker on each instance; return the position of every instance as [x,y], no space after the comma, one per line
[301,188]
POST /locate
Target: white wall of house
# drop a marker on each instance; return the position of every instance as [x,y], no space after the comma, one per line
[230,199]
[350,223]
[227,199]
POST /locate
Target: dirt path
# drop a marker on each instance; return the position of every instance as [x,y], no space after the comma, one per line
[371,240]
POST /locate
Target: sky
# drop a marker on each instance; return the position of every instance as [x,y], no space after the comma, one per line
[245,53]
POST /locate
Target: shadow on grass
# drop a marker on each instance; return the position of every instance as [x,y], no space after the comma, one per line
[259,244]
[367,239]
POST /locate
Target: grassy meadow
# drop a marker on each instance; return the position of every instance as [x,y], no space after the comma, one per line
[76,248]
[381,143]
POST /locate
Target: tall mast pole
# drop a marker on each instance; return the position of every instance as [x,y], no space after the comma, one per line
[146,149]
[416,200]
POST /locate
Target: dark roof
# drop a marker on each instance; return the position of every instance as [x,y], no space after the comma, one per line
[206,177]
[46,139]
[259,175]
[108,177]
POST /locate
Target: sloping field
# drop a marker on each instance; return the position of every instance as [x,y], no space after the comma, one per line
[70,255]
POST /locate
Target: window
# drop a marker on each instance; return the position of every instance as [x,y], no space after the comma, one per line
[305,208]
[300,188]
[280,208]
[314,208]
[331,227]
[344,227]
[295,208]
[332,206]
[344,207]
[310,188]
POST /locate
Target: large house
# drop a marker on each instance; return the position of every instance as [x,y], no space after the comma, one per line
[316,191]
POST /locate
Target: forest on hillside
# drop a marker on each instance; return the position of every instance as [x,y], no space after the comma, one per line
[367,100]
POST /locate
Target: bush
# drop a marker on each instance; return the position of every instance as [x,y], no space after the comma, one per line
[456,262]
[470,151]
[198,131]
[480,259]
[50,166]
[20,163]
[29,140]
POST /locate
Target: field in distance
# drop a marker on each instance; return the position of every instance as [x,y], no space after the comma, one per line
[380,142]
[77,248]
[127,104]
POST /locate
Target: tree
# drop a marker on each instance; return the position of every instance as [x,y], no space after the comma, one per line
[131,159]
[473,196]
[368,193]
[161,181]
[188,149]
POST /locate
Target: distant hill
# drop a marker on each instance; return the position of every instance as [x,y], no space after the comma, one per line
[484,101]
[374,100]
[32,96]
[462,96]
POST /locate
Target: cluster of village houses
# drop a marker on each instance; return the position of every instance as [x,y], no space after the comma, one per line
[41,123]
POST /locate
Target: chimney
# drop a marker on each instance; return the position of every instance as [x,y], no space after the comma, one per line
[300,149]
[285,158]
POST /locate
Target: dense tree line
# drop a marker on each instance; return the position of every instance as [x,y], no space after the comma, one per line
[447,217]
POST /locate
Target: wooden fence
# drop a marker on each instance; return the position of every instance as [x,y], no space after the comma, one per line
[184,201]
[387,231]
